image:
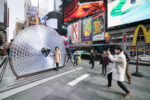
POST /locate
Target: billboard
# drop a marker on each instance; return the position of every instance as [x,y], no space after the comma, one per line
[76,31]
[98,27]
[2,11]
[87,29]
[121,12]
[74,9]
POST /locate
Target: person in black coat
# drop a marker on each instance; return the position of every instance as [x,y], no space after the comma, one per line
[104,61]
[92,58]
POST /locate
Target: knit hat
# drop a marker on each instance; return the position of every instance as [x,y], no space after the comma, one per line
[118,48]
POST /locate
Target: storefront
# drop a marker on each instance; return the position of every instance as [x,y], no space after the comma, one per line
[134,42]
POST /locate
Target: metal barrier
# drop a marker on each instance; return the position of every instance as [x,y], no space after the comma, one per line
[3,65]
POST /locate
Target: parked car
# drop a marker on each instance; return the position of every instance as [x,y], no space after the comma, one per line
[143,57]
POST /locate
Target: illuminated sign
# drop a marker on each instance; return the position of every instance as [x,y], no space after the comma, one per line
[146,34]
[121,12]
[74,9]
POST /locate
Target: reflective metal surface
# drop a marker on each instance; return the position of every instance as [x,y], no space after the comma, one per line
[26,52]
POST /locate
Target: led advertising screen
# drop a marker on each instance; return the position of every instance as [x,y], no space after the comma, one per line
[121,12]
[74,9]
[98,27]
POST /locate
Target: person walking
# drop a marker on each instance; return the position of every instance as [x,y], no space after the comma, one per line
[69,57]
[57,57]
[104,61]
[127,68]
[92,58]
[75,56]
[118,71]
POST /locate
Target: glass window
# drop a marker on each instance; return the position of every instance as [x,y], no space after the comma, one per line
[133,1]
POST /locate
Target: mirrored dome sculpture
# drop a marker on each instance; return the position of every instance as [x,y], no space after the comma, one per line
[33,48]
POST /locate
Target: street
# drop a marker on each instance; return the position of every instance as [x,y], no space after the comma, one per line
[87,84]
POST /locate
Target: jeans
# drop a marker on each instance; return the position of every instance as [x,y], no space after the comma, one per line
[76,61]
[104,69]
[92,62]
[120,84]
[57,66]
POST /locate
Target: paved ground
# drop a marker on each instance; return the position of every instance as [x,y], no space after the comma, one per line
[91,88]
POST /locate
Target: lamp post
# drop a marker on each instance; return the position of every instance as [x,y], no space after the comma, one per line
[137,74]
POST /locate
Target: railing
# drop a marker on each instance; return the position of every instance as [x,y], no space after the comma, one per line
[3,65]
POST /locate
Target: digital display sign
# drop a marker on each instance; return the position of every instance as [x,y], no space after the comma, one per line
[74,9]
[120,12]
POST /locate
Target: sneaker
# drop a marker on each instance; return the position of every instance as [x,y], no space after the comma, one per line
[127,95]
[107,86]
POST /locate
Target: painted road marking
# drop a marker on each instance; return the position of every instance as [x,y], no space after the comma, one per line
[77,80]
[14,91]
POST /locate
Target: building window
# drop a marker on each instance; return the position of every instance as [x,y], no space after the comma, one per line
[133,1]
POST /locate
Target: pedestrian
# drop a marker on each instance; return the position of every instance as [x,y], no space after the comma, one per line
[92,58]
[69,57]
[2,52]
[104,61]
[127,68]
[118,71]
[8,45]
[75,56]
[57,57]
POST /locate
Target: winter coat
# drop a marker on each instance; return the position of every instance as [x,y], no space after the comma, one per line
[57,56]
[92,57]
[104,60]
[119,67]
[76,55]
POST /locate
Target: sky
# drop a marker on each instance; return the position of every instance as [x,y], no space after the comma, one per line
[44,4]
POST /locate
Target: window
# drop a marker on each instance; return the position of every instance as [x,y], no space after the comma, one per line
[133,1]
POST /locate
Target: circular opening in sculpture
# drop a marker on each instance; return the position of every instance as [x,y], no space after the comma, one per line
[45,51]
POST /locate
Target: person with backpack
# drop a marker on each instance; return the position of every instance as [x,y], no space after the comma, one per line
[127,68]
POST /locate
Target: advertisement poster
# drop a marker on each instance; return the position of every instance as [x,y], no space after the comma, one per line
[76,37]
[98,27]
[121,12]
[87,30]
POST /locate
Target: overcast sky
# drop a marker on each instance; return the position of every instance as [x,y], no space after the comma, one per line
[44,4]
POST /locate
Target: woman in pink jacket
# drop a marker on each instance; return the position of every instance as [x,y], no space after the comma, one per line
[57,57]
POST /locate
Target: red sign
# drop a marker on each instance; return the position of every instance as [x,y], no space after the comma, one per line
[124,38]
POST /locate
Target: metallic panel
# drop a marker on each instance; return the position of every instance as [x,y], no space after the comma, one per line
[25,51]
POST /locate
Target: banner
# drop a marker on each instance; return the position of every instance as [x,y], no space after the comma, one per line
[98,27]
[87,30]
[76,32]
